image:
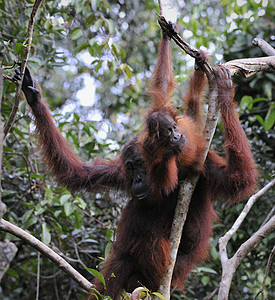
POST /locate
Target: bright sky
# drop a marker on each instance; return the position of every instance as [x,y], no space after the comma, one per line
[86,96]
[169,12]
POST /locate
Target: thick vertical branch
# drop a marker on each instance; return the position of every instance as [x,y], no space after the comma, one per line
[246,67]
[23,66]
[188,186]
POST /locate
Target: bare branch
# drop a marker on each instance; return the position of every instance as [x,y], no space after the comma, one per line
[2,205]
[229,266]
[246,67]
[48,252]
[261,291]
[225,239]
[160,7]
[249,66]
[23,66]
[264,46]
[187,187]
[190,50]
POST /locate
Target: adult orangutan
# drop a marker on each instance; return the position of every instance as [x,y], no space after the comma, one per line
[149,168]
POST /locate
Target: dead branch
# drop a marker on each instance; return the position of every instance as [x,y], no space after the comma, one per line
[229,266]
[264,46]
[225,239]
[48,252]
[249,66]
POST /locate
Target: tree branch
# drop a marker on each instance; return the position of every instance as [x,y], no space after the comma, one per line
[246,67]
[229,266]
[48,252]
[187,187]
[261,291]
[160,7]
[249,66]
[23,66]
[225,239]
[264,46]
[2,205]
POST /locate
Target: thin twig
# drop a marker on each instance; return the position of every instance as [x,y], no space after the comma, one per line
[225,239]
[2,205]
[160,7]
[10,67]
[23,66]
[3,59]
[229,266]
[269,262]
[190,50]
[270,214]
[38,276]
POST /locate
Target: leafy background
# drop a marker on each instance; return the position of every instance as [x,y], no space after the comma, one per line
[111,46]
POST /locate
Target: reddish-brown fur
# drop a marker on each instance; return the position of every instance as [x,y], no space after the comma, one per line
[232,178]
[140,253]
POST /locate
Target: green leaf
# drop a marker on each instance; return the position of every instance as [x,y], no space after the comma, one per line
[29,223]
[48,195]
[37,176]
[94,4]
[81,47]
[115,50]
[6,193]
[159,295]
[22,107]
[27,215]
[260,120]
[46,235]
[19,48]
[99,64]
[57,213]
[13,273]
[80,202]
[64,198]
[206,270]
[111,25]
[98,275]
[68,208]
[129,71]
[246,103]
[205,280]
[98,24]
[108,249]
[78,219]
[76,34]
[270,118]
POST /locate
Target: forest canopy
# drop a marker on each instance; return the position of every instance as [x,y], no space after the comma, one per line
[93,60]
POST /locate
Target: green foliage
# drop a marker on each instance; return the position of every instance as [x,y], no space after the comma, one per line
[115,42]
